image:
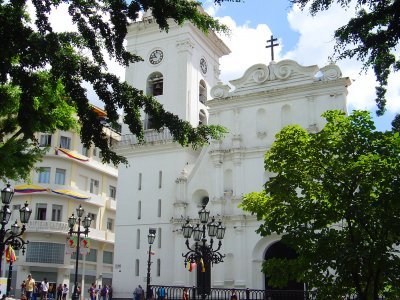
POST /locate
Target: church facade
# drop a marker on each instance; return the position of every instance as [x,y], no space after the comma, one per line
[166,183]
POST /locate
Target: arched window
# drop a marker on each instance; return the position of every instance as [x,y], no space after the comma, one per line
[155,84]
[286,115]
[261,123]
[202,117]
[202,92]
[148,122]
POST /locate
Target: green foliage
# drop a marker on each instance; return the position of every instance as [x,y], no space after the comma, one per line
[335,201]
[371,36]
[41,75]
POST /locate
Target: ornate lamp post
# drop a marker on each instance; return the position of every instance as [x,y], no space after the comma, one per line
[86,224]
[17,243]
[203,253]
[150,238]
[11,236]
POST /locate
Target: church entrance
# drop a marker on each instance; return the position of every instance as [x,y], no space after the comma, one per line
[294,290]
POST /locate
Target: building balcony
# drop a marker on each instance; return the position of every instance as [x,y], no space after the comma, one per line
[111,203]
[150,137]
[62,228]
[110,236]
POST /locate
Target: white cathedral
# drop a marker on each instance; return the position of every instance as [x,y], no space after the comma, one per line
[166,183]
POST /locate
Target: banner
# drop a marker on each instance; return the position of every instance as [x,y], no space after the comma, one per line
[84,247]
[72,242]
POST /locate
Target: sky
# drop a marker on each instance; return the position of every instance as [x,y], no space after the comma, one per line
[301,37]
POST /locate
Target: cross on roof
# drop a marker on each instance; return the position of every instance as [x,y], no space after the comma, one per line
[272,45]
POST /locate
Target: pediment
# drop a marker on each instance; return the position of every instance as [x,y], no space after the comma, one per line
[283,72]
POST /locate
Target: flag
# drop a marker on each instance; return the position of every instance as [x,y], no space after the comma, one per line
[192,266]
[203,267]
[10,254]
[152,253]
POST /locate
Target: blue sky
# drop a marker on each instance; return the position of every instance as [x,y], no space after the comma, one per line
[302,37]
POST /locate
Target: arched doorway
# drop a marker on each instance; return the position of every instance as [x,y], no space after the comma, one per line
[294,290]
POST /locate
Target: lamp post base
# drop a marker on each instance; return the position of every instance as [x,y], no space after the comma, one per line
[75,296]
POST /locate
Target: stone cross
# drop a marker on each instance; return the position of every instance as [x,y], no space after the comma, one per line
[272,45]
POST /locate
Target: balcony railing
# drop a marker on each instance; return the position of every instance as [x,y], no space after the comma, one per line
[47,226]
[62,227]
[176,293]
[150,137]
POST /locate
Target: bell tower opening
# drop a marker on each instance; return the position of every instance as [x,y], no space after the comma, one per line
[155,84]
[202,92]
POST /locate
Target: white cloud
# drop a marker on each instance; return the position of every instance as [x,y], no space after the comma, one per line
[314,47]
[316,44]
[248,48]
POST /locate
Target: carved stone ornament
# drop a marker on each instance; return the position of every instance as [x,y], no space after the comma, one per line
[330,72]
[283,70]
[220,90]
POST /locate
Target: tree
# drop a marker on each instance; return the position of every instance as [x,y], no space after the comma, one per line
[335,200]
[372,36]
[42,71]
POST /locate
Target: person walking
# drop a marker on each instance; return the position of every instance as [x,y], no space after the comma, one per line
[23,286]
[138,292]
[45,289]
[104,292]
[92,291]
[59,291]
[185,294]
[161,293]
[30,285]
[110,292]
[65,292]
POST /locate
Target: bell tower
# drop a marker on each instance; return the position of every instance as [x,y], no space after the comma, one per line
[178,67]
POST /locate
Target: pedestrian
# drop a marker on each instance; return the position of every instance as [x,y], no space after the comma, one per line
[234,295]
[45,289]
[51,291]
[23,285]
[59,291]
[110,292]
[65,292]
[138,292]
[104,292]
[185,294]
[92,291]
[161,293]
[79,292]
[29,287]
[36,290]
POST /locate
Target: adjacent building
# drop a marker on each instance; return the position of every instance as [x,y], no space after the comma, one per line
[69,175]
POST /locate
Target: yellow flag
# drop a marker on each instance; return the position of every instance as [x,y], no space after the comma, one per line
[203,267]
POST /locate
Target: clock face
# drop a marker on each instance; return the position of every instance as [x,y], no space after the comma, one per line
[156,57]
[203,65]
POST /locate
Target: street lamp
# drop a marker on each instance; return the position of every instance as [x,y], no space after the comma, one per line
[150,238]
[13,235]
[16,243]
[203,253]
[86,224]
